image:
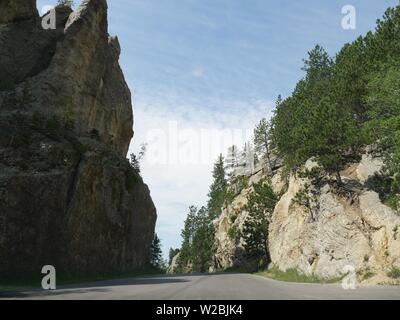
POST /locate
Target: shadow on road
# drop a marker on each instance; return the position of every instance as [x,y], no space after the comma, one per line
[38,294]
[99,286]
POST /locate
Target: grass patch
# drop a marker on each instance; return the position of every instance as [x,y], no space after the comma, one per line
[367,275]
[241,269]
[293,275]
[392,202]
[34,282]
[394,273]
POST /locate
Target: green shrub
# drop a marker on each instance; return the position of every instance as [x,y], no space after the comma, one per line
[393,201]
[132,178]
[383,185]
[367,275]
[232,232]
[293,275]
[395,231]
[233,216]
[68,3]
[242,183]
[394,273]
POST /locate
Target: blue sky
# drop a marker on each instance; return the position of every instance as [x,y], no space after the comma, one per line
[216,64]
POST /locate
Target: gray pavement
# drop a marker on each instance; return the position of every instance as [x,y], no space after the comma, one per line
[206,287]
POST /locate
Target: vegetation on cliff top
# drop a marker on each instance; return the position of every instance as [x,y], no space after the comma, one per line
[345,103]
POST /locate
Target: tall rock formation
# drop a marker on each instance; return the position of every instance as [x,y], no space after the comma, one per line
[229,242]
[68,195]
[337,233]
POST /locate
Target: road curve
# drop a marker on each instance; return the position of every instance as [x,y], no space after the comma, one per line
[206,287]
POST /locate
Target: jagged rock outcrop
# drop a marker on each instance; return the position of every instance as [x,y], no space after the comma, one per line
[229,251]
[361,233]
[335,232]
[173,267]
[229,244]
[68,195]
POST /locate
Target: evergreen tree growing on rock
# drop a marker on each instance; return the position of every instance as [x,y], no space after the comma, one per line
[156,259]
[262,141]
[218,189]
[311,123]
[260,206]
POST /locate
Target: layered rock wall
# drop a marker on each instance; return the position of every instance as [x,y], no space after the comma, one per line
[335,234]
[342,234]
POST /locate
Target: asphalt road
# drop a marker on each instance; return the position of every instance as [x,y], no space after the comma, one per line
[206,287]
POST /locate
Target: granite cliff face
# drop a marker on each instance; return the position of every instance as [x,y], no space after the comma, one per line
[68,196]
[229,243]
[336,231]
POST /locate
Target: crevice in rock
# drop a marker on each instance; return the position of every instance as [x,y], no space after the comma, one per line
[74,180]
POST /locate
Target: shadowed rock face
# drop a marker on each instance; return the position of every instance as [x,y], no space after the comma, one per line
[68,196]
[26,48]
[15,10]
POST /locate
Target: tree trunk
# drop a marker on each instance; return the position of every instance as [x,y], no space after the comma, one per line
[267,154]
[266,250]
[339,178]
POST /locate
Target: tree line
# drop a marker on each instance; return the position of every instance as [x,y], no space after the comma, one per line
[345,103]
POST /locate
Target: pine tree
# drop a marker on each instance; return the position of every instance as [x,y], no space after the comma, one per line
[218,189]
[262,141]
[311,123]
[332,133]
[279,100]
[232,161]
[189,226]
[260,206]
[197,241]
[318,66]
[383,129]
[187,234]
[203,241]
[136,160]
[246,160]
[156,259]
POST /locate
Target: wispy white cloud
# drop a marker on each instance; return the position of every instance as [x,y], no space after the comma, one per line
[198,72]
[176,186]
